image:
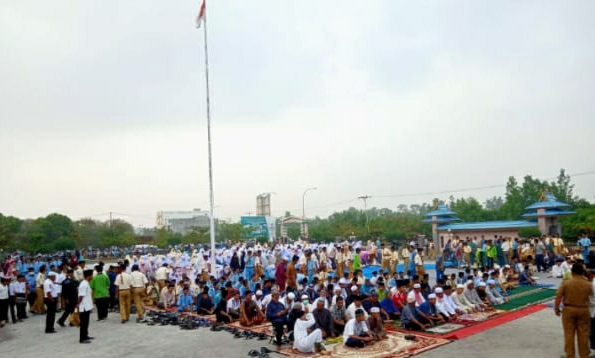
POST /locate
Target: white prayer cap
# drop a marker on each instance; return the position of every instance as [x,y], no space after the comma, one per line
[506,266]
[51,273]
[410,299]
[353,288]
[375,310]
[290,295]
[438,290]
[417,285]
[482,284]
[259,293]
[496,266]
[460,286]
[305,297]
[468,282]
[431,295]
[337,289]
[491,282]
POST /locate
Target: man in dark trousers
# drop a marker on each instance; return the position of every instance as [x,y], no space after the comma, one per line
[100,286]
[70,296]
[49,298]
[85,305]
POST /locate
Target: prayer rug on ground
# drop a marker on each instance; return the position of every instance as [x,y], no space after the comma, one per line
[539,295]
[396,346]
[445,328]
[266,328]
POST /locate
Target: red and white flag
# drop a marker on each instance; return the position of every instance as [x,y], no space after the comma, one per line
[201,14]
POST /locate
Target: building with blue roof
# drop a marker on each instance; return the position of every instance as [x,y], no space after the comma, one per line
[543,215]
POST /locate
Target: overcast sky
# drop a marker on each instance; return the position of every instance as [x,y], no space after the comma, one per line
[102,104]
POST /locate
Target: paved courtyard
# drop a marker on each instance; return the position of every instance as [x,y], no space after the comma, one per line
[538,334]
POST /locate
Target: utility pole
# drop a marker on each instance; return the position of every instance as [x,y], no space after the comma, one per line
[365,199]
[304,224]
[110,219]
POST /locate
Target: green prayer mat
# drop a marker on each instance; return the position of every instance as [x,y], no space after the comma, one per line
[538,296]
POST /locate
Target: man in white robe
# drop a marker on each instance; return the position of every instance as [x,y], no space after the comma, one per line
[304,342]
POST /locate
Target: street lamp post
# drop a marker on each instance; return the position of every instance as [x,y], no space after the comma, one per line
[365,199]
[304,225]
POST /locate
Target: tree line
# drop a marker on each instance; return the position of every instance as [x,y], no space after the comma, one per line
[57,232]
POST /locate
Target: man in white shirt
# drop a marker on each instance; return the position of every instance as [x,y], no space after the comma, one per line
[558,269]
[85,306]
[60,277]
[356,333]
[356,305]
[18,289]
[161,276]
[50,300]
[442,305]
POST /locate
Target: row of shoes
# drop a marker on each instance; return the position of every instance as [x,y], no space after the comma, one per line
[264,353]
[239,333]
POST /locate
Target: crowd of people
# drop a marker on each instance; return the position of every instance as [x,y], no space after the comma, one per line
[308,292]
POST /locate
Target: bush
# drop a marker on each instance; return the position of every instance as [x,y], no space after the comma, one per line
[64,244]
[529,232]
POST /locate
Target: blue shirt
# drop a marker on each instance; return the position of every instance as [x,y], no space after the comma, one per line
[428,308]
[185,301]
[273,309]
[408,314]
[388,305]
[31,281]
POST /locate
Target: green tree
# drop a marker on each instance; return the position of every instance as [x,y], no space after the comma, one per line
[64,244]
[87,232]
[10,227]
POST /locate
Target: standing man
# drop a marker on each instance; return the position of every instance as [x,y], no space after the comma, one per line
[386,258]
[576,319]
[280,273]
[50,300]
[38,307]
[585,243]
[100,286]
[292,273]
[419,263]
[70,296]
[85,306]
[123,287]
[161,276]
[139,284]
[18,289]
[339,265]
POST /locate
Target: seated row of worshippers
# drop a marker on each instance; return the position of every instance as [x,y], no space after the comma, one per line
[332,308]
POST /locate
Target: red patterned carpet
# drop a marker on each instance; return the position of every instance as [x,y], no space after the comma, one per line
[396,346]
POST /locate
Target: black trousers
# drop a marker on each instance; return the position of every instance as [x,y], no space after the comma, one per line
[84,328]
[21,304]
[102,307]
[354,343]
[113,301]
[68,309]
[13,303]
[278,327]
[50,315]
[4,310]
[31,298]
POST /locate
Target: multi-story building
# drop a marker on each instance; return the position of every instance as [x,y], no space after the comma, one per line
[182,221]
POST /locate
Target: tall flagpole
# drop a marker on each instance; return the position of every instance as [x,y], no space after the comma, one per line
[212,196]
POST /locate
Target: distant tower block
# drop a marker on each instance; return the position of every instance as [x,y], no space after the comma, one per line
[263,204]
